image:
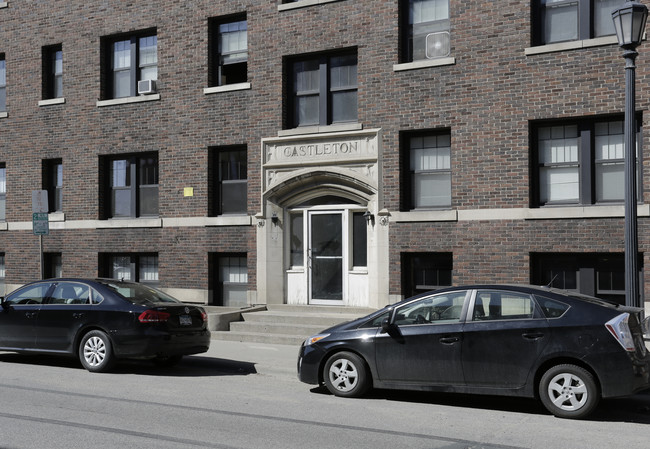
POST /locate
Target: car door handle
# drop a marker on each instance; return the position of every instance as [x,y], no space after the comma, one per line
[77,315]
[30,314]
[533,335]
[449,340]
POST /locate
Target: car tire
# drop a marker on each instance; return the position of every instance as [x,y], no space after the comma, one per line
[96,352]
[345,374]
[569,391]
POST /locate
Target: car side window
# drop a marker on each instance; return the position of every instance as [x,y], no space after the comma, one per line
[33,294]
[502,305]
[440,308]
[376,322]
[551,308]
[70,293]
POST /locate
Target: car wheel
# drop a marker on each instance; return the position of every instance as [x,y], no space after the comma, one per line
[346,375]
[167,361]
[96,352]
[569,391]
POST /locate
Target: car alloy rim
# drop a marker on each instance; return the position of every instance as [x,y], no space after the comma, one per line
[343,375]
[568,392]
[94,351]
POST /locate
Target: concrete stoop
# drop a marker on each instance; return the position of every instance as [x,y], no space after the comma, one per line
[285,324]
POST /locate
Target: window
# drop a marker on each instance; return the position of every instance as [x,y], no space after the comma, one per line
[297,223]
[230,279]
[53,183]
[427,182]
[601,274]
[228,51]
[53,265]
[52,72]
[3,275]
[580,162]
[359,240]
[72,293]
[132,185]
[425,29]
[323,90]
[129,59]
[426,271]
[440,308]
[130,267]
[3,192]
[32,294]
[3,83]
[502,305]
[569,20]
[228,178]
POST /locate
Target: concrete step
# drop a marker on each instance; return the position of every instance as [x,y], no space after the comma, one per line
[286,324]
[273,328]
[302,318]
[357,311]
[255,337]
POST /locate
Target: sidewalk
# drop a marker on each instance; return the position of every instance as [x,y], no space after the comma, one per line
[264,358]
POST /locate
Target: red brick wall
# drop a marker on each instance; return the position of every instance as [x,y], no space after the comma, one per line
[487,99]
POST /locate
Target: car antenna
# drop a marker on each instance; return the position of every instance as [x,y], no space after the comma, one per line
[550,284]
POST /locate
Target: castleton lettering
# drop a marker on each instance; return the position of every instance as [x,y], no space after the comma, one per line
[320,149]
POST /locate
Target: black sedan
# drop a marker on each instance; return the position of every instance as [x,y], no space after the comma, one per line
[566,349]
[101,321]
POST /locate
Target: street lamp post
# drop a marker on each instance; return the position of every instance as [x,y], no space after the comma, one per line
[629,21]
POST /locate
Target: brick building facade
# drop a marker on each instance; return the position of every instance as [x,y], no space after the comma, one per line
[317,151]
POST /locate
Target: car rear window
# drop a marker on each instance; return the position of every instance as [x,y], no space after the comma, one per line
[551,308]
[140,294]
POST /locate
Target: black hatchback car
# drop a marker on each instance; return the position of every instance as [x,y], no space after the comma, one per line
[100,321]
[566,349]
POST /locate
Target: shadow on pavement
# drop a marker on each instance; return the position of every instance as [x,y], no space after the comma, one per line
[630,409]
[189,366]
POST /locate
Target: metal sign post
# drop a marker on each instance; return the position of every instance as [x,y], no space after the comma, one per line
[40,222]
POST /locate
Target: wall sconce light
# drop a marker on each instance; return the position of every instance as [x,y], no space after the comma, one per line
[274,219]
[370,218]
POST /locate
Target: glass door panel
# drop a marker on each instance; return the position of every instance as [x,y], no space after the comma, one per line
[326,251]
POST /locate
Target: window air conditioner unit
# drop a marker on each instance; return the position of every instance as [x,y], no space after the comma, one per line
[147,87]
[438,45]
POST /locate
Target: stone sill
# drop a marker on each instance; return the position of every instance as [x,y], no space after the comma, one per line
[302,4]
[226,88]
[571,45]
[51,102]
[439,62]
[305,130]
[128,100]
[547,213]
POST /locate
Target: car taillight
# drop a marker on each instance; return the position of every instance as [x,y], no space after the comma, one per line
[619,328]
[204,316]
[153,316]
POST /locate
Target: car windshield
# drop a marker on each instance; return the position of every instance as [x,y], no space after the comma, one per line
[139,294]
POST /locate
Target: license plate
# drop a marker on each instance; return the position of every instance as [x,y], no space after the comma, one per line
[185,320]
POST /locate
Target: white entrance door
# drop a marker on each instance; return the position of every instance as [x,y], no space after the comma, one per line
[326,257]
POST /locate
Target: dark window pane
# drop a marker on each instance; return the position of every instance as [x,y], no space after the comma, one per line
[359,240]
[149,200]
[297,248]
[233,197]
[121,202]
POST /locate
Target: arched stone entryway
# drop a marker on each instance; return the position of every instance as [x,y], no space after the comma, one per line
[319,241]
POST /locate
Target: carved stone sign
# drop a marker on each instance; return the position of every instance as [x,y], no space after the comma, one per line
[355,154]
[332,149]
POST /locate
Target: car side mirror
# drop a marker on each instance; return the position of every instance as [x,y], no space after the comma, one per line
[4,303]
[387,326]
